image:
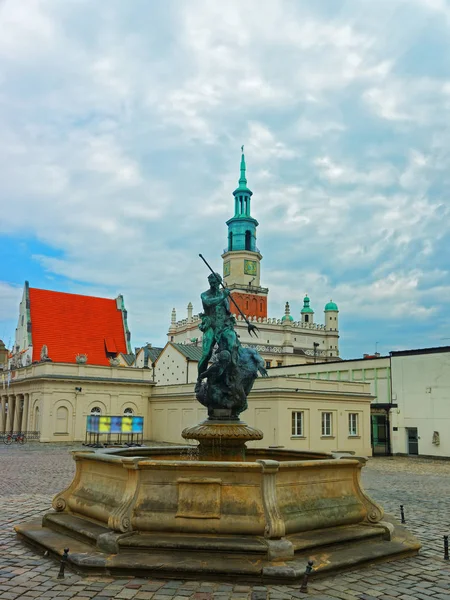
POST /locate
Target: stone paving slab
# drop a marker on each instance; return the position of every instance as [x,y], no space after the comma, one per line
[32,474]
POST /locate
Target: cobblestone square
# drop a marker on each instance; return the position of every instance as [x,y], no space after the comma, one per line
[33,473]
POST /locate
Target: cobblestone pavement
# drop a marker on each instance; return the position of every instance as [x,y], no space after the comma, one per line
[30,475]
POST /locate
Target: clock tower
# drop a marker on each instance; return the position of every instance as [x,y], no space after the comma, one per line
[241,258]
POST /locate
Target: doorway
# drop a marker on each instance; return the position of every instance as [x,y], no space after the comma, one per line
[413,440]
[380,435]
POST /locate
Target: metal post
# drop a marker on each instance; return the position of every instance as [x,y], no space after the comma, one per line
[402,513]
[308,570]
[64,560]
[446,557]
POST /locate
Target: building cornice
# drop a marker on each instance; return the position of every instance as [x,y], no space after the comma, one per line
[56,377]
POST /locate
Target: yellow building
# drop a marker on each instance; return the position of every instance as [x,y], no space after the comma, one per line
[3,356]
[56,398]
[303,415]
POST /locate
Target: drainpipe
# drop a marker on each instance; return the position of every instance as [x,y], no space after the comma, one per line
[388,413]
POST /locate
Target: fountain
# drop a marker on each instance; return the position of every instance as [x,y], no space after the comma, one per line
[227,512]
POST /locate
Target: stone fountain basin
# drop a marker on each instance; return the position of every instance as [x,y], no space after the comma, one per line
[159,512]
[273,493]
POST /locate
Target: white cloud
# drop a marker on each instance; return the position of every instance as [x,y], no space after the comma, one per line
[263,145]
[309,129]
[10,296]
[414,101]
[121,129]
[379,175]
[394,296]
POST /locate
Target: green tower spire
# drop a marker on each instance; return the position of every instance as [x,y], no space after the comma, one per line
[242,226]
[243,179]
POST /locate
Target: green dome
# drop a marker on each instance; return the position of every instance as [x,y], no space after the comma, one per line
[287,313]
[306,307]
[331,306]
[287,318]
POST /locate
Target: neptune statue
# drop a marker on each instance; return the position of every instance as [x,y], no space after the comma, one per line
[224,385]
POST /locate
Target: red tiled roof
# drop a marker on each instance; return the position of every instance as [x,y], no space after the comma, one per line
[70,324]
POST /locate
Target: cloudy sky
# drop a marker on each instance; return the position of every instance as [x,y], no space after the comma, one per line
[121,123]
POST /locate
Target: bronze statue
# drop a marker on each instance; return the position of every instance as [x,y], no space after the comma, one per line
[223,387]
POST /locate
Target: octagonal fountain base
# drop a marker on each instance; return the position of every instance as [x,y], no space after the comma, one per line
[156,512]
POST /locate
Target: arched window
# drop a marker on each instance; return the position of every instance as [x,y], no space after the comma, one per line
[306,318]
[62,420]
[260,306]
[96,410]
[230,241]
[246,304]
[248,240]
[128,412]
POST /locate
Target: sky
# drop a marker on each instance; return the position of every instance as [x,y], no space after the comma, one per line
[121,124]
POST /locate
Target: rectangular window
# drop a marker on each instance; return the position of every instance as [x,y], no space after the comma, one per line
[297,423]
[268,364]
[353,424]
[279,363]
[327,424]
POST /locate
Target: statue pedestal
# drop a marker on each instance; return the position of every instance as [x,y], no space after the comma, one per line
[222,440]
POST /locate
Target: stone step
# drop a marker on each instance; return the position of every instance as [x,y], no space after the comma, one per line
[160,562]
[79,528]
[344,557]
[88,532]
[195,543]
[308,540]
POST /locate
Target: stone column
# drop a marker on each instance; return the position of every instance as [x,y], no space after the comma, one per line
[18,412]
[2,414]
[9,416]
[26,408]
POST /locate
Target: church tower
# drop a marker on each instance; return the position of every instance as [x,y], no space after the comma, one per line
[241,258]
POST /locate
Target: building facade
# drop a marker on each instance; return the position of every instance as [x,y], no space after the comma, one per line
[374,371]
[283,340]
[54,399]
[421,393]
[177,364]
[3,356]
[330,416]
[410,411]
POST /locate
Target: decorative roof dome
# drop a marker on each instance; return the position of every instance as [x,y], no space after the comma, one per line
[331,306]
[287,313]
[306,307]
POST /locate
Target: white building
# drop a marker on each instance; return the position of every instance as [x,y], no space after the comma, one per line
[421,393]
[410,412]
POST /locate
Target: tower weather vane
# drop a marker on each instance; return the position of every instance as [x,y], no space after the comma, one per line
[242,147]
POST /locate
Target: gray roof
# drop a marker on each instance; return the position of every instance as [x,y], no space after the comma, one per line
[128,358]
[152,353]
[191,352]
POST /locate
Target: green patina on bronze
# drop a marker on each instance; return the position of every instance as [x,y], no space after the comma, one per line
[223,387]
